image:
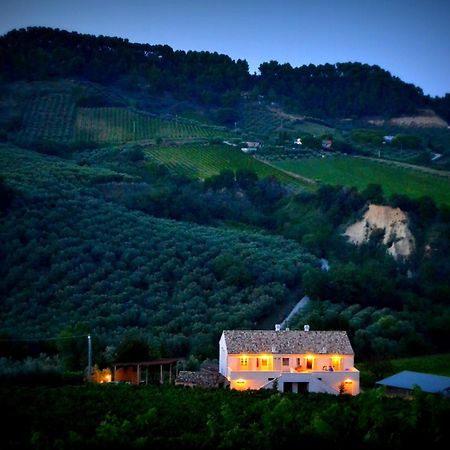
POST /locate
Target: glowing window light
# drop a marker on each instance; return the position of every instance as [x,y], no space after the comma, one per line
[336,362]
[243,360]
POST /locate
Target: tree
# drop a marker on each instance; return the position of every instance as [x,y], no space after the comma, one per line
[373,193]
[133,348]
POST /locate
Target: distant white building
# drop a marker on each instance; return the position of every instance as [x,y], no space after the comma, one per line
[292,361]
[388,139]
[251,147]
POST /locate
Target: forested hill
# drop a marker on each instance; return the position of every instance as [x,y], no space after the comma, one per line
[341,90]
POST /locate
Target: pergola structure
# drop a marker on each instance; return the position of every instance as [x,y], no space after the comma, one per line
[143,372]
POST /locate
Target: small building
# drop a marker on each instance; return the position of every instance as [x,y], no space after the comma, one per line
[146,372]
[404,382]
[251,147]
[388,139]
[298,142]
[290,361]
[327,144]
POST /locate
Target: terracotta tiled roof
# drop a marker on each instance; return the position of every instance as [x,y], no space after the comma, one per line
[287,342]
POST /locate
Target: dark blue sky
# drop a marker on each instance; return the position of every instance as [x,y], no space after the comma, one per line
[410,38]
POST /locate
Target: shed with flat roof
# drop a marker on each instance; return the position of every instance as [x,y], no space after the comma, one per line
[404,382]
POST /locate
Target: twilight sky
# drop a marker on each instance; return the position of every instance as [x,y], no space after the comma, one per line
[410,38]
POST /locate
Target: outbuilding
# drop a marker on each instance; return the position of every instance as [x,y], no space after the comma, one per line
[404,382]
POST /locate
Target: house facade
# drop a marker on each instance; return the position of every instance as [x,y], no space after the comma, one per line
[291,361]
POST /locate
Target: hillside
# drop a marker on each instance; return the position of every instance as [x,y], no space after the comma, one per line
[128,207]
[340,90]
[73,90]
[72,260]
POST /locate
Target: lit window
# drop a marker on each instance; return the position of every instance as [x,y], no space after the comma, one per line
[309,362]
[244,361]
[336,362]
[264,362]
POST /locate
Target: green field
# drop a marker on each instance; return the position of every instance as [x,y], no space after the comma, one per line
[203,161]
[437,364]
[359,173]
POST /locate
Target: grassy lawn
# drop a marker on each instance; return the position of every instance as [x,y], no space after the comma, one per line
[203,161]
[359,173]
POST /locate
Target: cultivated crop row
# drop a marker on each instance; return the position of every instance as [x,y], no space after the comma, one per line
[203,161]
[115,125]
[49,118]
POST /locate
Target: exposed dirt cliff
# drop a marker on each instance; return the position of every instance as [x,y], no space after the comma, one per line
[390,222]
[425,118]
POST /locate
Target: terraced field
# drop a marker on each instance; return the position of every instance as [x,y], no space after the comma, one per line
[55,118]
[114,125]
[359,172]
[203,161]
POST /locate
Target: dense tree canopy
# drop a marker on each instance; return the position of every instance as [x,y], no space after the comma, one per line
[339,90]
[329,90]
[42,53]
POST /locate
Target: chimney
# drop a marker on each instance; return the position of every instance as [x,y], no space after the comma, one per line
[277,327]
[306,327]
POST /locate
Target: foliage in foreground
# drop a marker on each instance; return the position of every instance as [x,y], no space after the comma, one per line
[167,417]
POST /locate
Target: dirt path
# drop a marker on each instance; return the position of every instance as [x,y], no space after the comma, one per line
[301,304]
[287,172]
[442,173]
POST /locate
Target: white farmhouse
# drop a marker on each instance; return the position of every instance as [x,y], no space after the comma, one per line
[292,361]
